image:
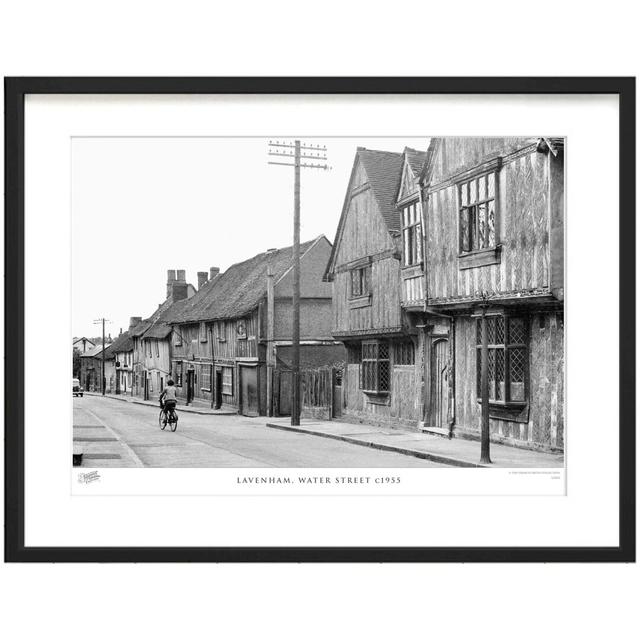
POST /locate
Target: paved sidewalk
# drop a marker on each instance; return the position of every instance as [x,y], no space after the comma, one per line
[455,452]
[202,408]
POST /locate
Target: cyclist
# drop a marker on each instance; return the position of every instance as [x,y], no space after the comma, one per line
[168,399]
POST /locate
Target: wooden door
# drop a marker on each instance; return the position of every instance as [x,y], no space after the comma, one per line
[190,385]
[440,384]
[249,391]
[218,390]
[336,383]
[284,392]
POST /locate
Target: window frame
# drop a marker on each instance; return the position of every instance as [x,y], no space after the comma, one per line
[227,385]
[465,204]
[412,233]
[371,358]
[506,347]
[402,348]
[205,373]
[364,278]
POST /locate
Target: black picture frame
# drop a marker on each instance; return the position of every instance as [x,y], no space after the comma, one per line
[15,91]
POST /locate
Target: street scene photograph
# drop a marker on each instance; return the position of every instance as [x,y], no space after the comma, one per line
[304,302]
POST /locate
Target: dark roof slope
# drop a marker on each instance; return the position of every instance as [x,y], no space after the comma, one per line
[160,327]
[238,290]
[124,342]
[384,170]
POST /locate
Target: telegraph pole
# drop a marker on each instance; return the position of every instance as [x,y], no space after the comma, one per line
[303,155]
[103,381]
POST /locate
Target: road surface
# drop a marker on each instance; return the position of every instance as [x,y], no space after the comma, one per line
[113,433]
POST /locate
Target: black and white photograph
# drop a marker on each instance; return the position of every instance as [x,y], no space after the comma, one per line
[318,302]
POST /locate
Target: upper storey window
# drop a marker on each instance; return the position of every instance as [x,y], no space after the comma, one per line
[478,213]
[411,234]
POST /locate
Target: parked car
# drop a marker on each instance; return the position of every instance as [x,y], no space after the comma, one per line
[77,389]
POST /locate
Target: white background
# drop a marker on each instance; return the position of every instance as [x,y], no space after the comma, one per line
[54,517]
[542,38]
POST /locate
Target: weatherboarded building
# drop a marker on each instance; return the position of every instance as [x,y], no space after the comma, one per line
[230,338]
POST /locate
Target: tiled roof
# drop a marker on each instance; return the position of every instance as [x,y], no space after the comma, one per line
[92,353]
[238,290]
[384,170]
[416,160]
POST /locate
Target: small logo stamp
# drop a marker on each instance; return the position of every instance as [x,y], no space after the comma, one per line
[90,476]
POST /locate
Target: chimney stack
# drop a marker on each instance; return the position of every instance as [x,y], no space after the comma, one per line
[171,278]
[213,272]
[202,278]
[134,320]
[177,288]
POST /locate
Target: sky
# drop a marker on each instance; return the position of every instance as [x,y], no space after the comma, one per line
[141,206]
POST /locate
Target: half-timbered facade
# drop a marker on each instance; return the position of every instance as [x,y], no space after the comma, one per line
[376,269]
[494,245]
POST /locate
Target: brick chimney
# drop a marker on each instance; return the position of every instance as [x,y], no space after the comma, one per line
[177,288]
[171,278]
[134,320]
[202,278]
[213,272]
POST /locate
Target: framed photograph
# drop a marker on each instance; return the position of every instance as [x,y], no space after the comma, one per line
[320,319]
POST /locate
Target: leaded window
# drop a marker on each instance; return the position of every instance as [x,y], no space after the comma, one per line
[376,369]
[478,213]
[411,234]
[177,373]
[359,282]
[404,353]
[227,380]
[205,377]
[507,362]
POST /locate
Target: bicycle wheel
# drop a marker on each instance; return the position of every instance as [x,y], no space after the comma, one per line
[162,419]
[173,421]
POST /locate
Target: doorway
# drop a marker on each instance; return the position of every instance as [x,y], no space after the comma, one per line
[190,385]
[439,384]
[218,390]
[249,391]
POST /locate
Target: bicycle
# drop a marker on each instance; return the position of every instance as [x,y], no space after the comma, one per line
[169,417]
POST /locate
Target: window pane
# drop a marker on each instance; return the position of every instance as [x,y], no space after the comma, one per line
[384,377]
[418,241]
[407,259]
[464,230]
[491,373]
[516,331]
[473,230]
[491,236]
[464,200]
[499,329]
[482,188]
[473,191]
[482,226]
[491,330]
[491,186]
[517,363]
[499,374]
